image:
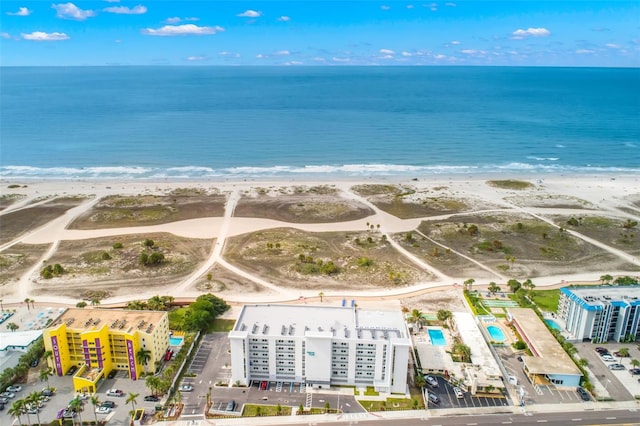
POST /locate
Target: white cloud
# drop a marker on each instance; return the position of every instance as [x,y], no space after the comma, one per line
[284,19]
[5,35]
[530,32]
[439,56]
[433,7]
[613,46]
[231,54]
[410,6]
[178,30]
[176,19]
[197,58]
[124,10]
[341,60]
[260,56]
[406,54]
[450,4]
[293,63]
[385,7]
[282,53]
[42,36]
[71,11]
[23,11]
[249,14]
[386,57]
[455,42]
[387,52]
[584,51]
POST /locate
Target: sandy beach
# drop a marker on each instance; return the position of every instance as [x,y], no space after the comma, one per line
[354,210]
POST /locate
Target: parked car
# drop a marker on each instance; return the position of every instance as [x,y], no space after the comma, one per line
[4,400]
[458,392]
[72,370]
[68,414]
[103,410]
[115,392]
[431,381]
[634,371]
[433,397]
[607,358]
[109,404]
[616,366]
[583,394]
[263,385]
[16,388]
[519,358]
[33,410]
[8,395]
[35,362]
[46,392]
[602,350]
[186,388]
[151,398]
[1,407]
[112,374]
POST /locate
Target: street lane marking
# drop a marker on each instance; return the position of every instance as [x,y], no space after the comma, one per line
[506,423]
[576,420]
[542,421]
[610,418]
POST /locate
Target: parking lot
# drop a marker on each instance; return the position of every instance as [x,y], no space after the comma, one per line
[620,385]
[447,398]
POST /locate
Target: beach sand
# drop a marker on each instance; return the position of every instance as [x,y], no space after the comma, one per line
[616,197]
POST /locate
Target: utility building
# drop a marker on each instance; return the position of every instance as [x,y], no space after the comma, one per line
[320,346]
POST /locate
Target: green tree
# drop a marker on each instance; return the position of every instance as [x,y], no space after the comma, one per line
[417,317]
[635,363]
[143,356]
[144,258]
[463,351]
[148,242]
[131,398]
[17,410]
[279,409]
[300,409]
[95,401]
[321,294]
[152,383]
[420,381]
[514,285]
[623,353]
[77,405]
[44,375]
[13,326]
[95,301]
[468,284]
[493,288]
[444,316]
[327,406]
[58,269]
[156,258]
[606,279]
[81,304]
[583,362]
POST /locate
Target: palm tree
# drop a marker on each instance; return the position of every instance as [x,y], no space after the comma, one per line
[468,284]
[34,400]
[45,373]
[321,294]
[152,383]
[514,285]
[132,399]
[156,304]
[416,317]
[606,279]
[463,351]
[27,301]
[13,326]
[95,301]
[76,404]
[419,381]
[444,316]
[635,363]
[17,410]
[95,401]
[493,288]
[143,356]
[25,409]
[583,362]
[623,353]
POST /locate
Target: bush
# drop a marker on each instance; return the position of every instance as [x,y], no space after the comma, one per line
[105,256]
[117,246]
[520,345]
[148,242]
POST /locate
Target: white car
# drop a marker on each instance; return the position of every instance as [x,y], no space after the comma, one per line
[608,358]
[103,410]
[16,388]
[186,388]
[458,392]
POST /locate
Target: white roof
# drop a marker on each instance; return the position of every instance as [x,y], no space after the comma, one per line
[472,336]
[18,339]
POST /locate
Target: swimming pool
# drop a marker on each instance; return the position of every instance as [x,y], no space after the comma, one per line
[176,341]
[551,323]
[496,333]
[437,337]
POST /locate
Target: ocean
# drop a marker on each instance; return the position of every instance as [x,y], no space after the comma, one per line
[315,122]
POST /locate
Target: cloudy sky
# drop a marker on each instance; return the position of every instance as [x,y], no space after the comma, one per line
[327,32]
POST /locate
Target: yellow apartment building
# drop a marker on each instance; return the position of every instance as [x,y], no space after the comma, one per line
[97,341]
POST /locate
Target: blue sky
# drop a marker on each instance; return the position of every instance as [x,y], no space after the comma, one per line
[183,32]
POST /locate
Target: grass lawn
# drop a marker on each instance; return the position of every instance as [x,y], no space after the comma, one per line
[393,404]
[221,325]
[251,410]
[547,300]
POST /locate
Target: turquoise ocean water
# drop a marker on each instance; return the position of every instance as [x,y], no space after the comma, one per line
[218,122]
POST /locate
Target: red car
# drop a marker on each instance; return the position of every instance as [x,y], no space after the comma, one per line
[263,385]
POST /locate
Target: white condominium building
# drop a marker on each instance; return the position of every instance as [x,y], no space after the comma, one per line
[602,313]
[320,346]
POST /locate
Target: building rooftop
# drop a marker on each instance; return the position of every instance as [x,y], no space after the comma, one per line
[116,319]
[551,357]
[18,339]
[595,298]
[472,336]
[341,322]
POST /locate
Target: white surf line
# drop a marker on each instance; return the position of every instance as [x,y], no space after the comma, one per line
[25,284]
[485,267]
[386,217]
[230,206]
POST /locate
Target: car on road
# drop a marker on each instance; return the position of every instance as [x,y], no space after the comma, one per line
[110,404]
[431,381]
[433,398]
[115,392]
[607,358]
[458,392]
[186,388]
[583,394]
[616,366]
[634,371]
[16,388]
[103,410]
[151,398]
